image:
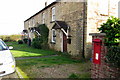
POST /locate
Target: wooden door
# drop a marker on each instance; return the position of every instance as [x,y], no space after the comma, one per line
[64,43]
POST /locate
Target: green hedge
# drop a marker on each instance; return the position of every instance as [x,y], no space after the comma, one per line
[112,40]
[10,38]
[113,56]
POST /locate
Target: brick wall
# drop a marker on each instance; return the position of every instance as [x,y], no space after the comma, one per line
[103,70]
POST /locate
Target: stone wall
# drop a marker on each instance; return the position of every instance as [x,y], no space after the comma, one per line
[73,14]
[98,11]
[102,70]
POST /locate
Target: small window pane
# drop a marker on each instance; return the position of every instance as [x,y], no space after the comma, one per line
[43,18]
[53,14]
[53,35]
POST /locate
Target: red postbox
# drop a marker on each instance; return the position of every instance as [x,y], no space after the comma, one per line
[97,51]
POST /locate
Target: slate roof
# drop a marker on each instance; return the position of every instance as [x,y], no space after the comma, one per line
[60,24]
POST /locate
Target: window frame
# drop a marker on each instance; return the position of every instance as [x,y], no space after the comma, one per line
[53,36]
[43,17]
[33,22]
[53,13]
[29,23]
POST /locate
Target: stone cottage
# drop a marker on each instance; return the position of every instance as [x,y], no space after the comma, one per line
[70,23]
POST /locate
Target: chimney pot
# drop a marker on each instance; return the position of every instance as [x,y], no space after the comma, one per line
[45,4]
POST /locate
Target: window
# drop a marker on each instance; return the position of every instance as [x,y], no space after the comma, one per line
[43,18]
[3,46]
[53,14]
[33,22]
[29,23]
[53,35]
[103,7]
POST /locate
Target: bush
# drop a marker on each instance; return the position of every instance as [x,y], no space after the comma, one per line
[41,41]
[112,30]
[36,43]
[20,42]
[25,40]
[113,56]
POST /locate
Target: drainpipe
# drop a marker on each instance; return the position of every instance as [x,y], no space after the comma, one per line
[84,18]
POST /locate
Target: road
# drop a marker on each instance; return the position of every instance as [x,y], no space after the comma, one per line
[10,77]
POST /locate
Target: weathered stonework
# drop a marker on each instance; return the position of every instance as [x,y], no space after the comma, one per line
[95,18]
[80,16]
[73,16]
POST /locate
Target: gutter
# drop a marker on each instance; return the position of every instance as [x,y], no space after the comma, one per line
[84,18]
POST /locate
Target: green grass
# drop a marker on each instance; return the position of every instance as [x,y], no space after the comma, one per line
[47,61]
[31,66]
[23,50]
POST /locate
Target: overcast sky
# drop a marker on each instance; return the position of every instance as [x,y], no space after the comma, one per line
[13,13]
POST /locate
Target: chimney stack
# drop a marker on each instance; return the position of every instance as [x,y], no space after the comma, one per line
[45,4]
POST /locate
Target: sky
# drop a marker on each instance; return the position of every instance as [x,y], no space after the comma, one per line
[13,13]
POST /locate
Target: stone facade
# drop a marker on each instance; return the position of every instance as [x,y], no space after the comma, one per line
[72,13]
[82,18]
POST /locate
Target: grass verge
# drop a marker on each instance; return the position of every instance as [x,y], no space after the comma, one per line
[23,50]
[20,73]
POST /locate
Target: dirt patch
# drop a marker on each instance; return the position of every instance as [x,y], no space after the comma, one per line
[60,71]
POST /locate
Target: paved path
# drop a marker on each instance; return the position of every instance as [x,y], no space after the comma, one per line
[19,58]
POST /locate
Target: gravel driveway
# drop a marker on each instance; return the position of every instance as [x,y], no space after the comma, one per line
[10,77]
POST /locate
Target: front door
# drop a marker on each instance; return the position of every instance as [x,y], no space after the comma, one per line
[64,43]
